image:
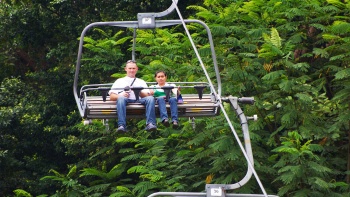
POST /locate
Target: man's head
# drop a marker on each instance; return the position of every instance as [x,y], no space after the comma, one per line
[131,68]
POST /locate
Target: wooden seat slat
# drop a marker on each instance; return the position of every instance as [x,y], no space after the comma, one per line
[96,108]
[185,113]
[138,106]
[185,99]
[114,102]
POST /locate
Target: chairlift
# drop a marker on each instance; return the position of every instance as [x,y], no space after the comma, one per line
[206,102]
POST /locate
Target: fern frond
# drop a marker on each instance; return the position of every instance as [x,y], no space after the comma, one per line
[342,74]
[338,57]
[89,40]
[22,193]
[219,30]
[329,9]
[252,55]
[153,176]
[93,172]
[204,52]
[273,75]
[72,171]
[289,118]
[342,95]
[102,32]
[319,26]
[101,151]
[285,178]
[327,36]
[144,186]
[55,178]
[303,67]
[337,4]
[304,97]
[197,8]
[275,38]
[137,169]
[127,140]
[256,32]
[123,189]
[322,183]
[56,173]
[320,52]
[319,168]
[123,40]
[132,157]
[97,188]
[340,27]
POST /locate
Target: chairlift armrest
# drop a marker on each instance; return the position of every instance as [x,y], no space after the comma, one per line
[246,100]
[104,92]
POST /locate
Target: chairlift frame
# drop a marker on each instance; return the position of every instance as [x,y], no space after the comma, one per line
[105,109]
[82,99]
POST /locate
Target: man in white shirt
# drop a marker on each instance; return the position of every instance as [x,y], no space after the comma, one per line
[123,97]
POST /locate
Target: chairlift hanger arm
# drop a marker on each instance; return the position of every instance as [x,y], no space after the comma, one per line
[167,11]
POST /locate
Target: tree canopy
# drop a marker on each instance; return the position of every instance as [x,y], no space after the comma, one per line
[292,56]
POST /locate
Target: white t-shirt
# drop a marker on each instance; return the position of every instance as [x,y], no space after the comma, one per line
[121,83]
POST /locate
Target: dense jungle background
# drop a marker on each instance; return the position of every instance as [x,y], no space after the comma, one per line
[292,56]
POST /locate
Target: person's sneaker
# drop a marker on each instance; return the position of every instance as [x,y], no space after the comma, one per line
[175,125]
[151,127]
[121,129]
[166,123]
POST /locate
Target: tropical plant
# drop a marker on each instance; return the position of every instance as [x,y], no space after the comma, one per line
[70,186]
[292,56]
[300,167]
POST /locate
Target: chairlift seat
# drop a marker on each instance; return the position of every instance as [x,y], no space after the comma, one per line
[192,106]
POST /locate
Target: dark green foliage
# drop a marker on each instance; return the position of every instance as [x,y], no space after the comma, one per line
[292,56]
[26,155]
[297,160]
[103,56]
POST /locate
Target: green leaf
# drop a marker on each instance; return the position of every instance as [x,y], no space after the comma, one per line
[320,52]
[275,38]
[72,171]
[342,74]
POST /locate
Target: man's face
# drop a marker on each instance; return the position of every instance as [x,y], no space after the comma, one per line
[131,69]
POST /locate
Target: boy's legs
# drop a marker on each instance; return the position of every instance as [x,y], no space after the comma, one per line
[173,109]
[162,108]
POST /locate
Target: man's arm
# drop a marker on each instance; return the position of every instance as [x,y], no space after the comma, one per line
[113,93]
[145,92]
[113,96]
